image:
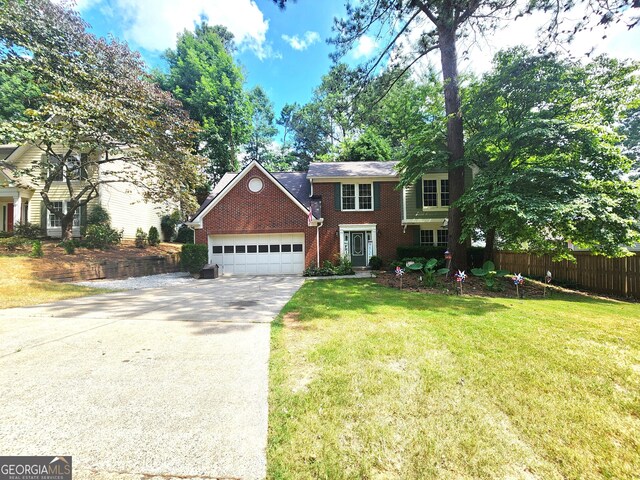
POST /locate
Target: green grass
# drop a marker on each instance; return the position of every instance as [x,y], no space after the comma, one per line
[19,287]
[372,382]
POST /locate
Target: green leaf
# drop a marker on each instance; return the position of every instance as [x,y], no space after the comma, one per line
[489,266]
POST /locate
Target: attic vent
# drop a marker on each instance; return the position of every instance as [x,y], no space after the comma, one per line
[255,184]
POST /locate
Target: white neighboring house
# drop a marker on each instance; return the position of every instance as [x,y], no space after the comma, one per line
[20,199]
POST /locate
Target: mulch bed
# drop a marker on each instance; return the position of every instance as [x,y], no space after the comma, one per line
[53,253]
[474,286]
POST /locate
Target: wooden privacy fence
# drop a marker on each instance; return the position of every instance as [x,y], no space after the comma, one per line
[616,276]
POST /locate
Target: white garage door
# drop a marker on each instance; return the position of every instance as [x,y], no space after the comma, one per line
[270,254]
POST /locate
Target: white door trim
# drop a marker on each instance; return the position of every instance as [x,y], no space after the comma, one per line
[362,227]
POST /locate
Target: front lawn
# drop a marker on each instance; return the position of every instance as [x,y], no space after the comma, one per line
[20,288]
[371,382]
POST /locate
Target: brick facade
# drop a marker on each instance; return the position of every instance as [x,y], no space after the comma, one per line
[243,212]
[272,211]
[387,220]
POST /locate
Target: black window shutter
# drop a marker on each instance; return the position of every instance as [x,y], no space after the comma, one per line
[337,196]
[83,215]
[419,198]
[416,235]
[84,158]
[376,195]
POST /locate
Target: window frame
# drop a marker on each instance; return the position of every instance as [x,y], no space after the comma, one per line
[356,189]
[78,176]
[433,238]
[438,178]
[77,215]
[435,233]
[437,237]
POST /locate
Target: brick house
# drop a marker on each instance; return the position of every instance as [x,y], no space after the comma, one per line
[256,222]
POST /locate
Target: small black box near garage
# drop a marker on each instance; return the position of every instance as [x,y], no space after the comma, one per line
[210,271]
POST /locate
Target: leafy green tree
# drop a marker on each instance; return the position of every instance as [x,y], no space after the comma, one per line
[18,91]
[414,28]
[311,134]
[102,108]
[205,78]
[542,132]
[285,120]
[368,147]
[631,130]
[264,129]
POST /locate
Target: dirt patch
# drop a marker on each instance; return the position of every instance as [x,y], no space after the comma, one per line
[292,320]
[504,287]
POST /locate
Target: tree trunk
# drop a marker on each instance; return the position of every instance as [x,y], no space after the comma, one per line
[490,242]
[455,142]
[67,227]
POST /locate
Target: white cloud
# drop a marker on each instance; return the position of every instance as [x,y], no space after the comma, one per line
[297,43]
[154,24]
[618,42]
[365,47]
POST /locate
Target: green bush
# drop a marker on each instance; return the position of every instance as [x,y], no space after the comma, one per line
[185,235]
[28,230]
[98,216]
[475,255]
[153,237]
[13,243]
[102,237]
[36,249]
[69,246]
[168,224]
[194,257]
[343,266]
[424,251]
[141,238]
[313,271]
[375,263]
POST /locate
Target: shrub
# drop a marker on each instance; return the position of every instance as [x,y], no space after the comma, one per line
[489,272]
[141,238]
[194,257]
[343,266]
[102,236]
[69,246]
[154,237]
[98,216]
[424,251]
[36,249]
[313,271]
[185,235]
[168,224]
[13,243]
[375,263]
[475,255]
[28,230]
[428,270]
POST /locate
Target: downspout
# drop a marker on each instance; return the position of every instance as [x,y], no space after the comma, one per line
[318,243]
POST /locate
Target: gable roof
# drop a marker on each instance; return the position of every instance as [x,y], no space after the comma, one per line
[352,169]
[293,184]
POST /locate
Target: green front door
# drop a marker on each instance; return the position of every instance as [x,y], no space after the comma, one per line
[358,249]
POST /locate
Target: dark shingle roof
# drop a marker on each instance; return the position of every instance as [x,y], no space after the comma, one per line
[352,169]
[296,183]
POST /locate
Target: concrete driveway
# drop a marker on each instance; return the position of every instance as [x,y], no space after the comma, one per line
[159,383]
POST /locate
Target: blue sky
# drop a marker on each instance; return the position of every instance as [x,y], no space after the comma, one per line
[286,51]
